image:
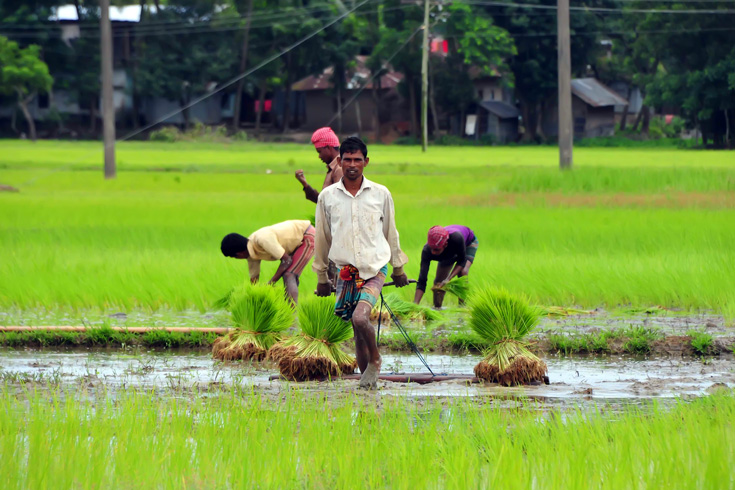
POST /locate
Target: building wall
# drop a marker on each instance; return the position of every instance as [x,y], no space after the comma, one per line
[321,107]
[209,111]
[491,89]
[600,121]
[588,121]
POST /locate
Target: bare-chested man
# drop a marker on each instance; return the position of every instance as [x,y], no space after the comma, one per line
[327,147]
[356,229]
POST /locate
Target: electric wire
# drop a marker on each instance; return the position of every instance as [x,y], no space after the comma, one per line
[246,73]
[375,75]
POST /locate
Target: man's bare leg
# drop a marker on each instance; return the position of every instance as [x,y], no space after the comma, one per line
[291,283]
[361,351]
[442,272]
[365,340]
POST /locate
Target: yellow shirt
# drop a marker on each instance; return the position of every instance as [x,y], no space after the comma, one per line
[271,242]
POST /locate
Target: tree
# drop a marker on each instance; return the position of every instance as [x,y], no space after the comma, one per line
[180,66]
[477,43]
[695,75]
[534,65]
[23,74]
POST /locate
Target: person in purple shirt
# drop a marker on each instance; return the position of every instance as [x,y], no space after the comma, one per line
[454,247]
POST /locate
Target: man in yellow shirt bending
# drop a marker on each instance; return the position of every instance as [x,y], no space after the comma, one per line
[291,242]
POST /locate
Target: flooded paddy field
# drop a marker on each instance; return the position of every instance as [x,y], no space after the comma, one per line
[573,380]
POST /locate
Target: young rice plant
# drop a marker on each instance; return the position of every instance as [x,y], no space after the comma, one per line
[504,321]
[260,314]
[315,353]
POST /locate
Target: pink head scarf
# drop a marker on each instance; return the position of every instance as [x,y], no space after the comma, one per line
[438,236]
[324,137]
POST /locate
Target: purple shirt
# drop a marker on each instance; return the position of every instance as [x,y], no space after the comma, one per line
[468,235]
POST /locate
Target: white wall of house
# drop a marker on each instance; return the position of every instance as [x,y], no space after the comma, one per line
[491,89]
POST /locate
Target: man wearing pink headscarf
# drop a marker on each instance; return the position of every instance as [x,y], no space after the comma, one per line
[327,147]
[454,248]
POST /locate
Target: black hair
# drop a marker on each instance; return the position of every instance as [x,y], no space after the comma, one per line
[232,244]
[351,145]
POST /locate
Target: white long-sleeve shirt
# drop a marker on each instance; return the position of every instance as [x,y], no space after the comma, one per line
[357,230]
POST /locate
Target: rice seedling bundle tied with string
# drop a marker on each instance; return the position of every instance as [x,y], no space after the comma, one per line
[260,314]
[315,353]
[505,320]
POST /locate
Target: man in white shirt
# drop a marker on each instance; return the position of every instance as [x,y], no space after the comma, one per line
[355,229]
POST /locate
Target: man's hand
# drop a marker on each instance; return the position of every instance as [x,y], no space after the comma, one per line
[300,177]
[399,280]
[439,285]
[323,289]
[286,260]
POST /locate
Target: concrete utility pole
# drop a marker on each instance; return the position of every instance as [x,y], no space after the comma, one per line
[108,105]
[425,81]
[566,129]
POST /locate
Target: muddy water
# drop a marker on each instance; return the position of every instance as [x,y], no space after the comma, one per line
[571,378]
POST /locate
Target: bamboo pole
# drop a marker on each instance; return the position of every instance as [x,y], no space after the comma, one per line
[54,328]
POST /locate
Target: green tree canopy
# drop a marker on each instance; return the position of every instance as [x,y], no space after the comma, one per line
[23,74]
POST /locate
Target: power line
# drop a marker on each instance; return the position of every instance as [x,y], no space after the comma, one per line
[239,77]
[376,74]
[92,24]
[211,27]
[601,9]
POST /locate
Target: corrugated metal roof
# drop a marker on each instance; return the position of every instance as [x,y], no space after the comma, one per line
[500,109]
[356,78]
[595,93]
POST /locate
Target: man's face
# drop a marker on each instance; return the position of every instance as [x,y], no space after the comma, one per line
[353,164]
[242,255]
[439,250]
[325,154]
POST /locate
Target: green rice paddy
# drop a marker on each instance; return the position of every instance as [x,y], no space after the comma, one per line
[248,440]
[636,227]
[629,230]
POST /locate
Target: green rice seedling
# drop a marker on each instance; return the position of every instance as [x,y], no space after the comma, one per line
[701,342]
[411,311]
[639,339]
[505,320]
[315,353]
[459,287]
[559,311]
[224,302]
[260,314]
[566,344]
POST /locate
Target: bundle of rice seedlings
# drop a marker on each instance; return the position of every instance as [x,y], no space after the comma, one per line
[260,314]
[503,321]
[376,314]
[459,287]
[411,311]
[315,353]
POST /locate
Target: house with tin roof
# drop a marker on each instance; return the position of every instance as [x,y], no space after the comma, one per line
[593,110]
[367,103]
